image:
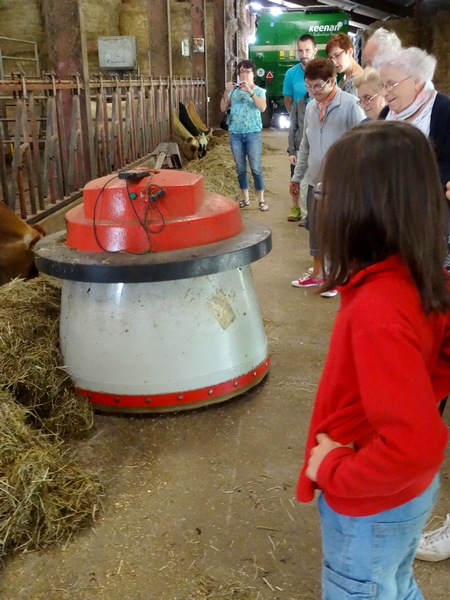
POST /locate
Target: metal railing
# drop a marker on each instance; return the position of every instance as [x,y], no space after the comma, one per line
[55,136]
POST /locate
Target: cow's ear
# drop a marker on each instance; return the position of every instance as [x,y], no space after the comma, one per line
[34,241]
[40,230]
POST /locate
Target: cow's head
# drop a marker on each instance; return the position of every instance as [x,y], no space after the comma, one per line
[189,148]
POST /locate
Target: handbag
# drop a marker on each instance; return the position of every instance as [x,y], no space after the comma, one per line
[225,120]
[226,117]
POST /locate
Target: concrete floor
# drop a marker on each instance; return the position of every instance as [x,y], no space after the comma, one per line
[202,504]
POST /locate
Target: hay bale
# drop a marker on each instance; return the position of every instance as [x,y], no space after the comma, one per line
[20,19]
[30,362]
[440,26]
[71,415]
[133,21]
[44,496]
[16,437]
[100,18]
[408,30]
[23,20]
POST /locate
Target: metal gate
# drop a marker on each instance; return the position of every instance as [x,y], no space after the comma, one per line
[55,136]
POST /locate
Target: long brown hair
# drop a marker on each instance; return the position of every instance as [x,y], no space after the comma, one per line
[381,195]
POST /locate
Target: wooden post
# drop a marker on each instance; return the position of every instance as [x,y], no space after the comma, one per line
[68,55]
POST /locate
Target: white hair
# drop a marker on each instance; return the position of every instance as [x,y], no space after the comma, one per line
[386,41]
[369,75]
[412,61]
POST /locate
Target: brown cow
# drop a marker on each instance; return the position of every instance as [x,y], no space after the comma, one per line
[17,240]
[188,143]
[197,120]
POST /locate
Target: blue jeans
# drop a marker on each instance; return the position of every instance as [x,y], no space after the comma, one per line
[243,146]
[370,558]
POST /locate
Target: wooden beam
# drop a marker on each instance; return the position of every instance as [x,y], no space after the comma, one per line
[160,61]
[198,32]
[219,58]
[66,42]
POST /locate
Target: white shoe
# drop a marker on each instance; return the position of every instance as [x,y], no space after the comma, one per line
[435,545]
[329,294]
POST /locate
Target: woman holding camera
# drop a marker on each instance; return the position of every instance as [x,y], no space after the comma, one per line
[247,102]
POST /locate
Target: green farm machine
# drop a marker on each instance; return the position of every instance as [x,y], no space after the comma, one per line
[274,50]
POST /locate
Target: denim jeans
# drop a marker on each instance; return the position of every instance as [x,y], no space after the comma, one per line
[243,146]
[370,558]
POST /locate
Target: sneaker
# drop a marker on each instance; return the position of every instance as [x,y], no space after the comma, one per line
[302,222]
[306,281]
[329,294]
[295,214]
[435,545]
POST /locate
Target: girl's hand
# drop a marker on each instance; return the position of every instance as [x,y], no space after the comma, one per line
[324,446]
[245,87]
[229,86]
[447,193]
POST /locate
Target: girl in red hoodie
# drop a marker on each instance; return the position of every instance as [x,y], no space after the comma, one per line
[376,438]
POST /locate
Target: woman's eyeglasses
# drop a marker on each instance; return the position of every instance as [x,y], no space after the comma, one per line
[334,57]
[388,87]
[365,101]
[317,87]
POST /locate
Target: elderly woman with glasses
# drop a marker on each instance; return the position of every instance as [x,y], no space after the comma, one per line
[247,102]
[410,96]
[368,86]
[340,50]
[329,115]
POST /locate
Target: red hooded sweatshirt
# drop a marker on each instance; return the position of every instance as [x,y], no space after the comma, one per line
[387,368]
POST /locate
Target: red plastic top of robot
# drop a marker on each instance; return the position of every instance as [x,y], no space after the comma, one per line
[167,210]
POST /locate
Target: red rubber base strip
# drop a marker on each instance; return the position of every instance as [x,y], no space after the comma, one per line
[179,400]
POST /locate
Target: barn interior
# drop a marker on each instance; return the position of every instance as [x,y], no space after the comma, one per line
[68,65]
[196,504]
